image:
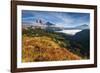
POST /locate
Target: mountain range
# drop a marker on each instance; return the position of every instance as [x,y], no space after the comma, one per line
[39,23]
[84,26]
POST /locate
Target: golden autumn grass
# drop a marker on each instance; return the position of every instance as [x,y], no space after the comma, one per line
[44,49]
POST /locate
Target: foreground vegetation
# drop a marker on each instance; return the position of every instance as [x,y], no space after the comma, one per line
[47,45]
[44,49]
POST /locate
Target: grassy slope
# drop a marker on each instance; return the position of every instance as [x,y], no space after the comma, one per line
[44,48]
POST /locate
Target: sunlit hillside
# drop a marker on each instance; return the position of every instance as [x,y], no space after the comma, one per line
[44,49]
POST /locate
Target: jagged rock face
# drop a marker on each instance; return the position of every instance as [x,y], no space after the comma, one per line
[38,23]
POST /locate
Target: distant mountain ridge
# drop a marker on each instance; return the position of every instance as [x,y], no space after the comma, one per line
[84,26]
[38,23]
[49,24]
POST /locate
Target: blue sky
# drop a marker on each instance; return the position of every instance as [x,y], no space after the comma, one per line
[64,19]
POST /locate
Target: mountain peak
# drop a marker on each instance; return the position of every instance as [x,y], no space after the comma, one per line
[84,26]
[49,23]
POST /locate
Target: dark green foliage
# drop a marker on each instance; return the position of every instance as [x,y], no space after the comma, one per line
[82,41]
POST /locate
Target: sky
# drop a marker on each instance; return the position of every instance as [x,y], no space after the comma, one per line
[62,19]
